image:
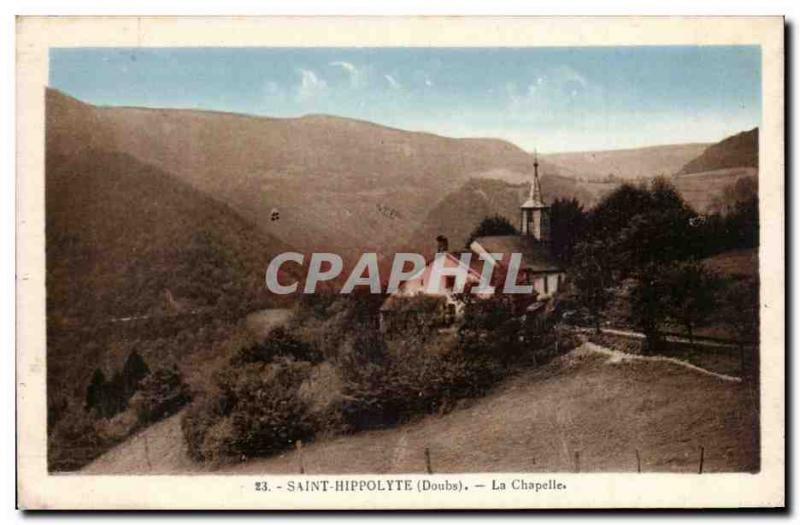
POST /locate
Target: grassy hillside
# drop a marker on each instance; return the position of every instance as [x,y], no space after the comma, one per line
[137,260]
[126,239]
[736,264]
[626,163]
[337,183]
[601,405]
[701,189]
[737,151]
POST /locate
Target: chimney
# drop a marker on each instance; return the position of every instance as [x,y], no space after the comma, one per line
[441,243]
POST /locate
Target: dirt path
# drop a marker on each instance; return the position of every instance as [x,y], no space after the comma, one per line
[620,356]
[589,401]
[158,449]
[698,341]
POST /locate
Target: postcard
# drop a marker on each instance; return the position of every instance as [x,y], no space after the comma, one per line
[400,262]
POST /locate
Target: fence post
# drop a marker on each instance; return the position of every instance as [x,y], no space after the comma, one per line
[577,461]
[702,457]
[147,452]
[638,462]
[428,460]
[299,445]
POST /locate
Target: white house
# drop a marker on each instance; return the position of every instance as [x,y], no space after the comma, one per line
[537,267]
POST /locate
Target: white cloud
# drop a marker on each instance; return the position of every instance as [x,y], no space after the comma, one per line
[350,68]
[562,88]
[392,81]
[356,75]
[311,86]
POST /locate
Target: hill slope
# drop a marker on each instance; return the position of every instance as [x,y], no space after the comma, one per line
[626,163]
[596,403]
[338,184]
[126,239]
[702,190]
[737,151]
[127,244]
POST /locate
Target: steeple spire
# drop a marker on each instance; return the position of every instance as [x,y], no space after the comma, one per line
[535,214]
[535,195]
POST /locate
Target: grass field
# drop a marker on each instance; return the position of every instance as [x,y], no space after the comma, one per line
[597,403]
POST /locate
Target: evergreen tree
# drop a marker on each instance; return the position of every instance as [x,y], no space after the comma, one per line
[95,390]
[493,225]
[134,370]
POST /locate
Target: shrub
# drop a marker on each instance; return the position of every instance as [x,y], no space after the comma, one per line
[118,427]
[414,381]
[204,412]
[279,343]
[74,440]
[161,394]
[323,394]
[263,407]
[217,445]
[417,315]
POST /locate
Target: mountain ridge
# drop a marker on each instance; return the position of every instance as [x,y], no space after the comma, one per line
[735,151]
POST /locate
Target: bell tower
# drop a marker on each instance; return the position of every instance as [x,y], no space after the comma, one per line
[535,215]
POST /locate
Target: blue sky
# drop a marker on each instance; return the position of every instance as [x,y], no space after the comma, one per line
[551,99]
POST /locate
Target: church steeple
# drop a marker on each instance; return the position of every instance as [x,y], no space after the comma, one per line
[535,195]
[535,214]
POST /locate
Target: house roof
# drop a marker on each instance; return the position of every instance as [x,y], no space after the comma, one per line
[536,255]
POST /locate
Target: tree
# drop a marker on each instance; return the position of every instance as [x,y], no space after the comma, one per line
[568,224]
[691,295]
[493,225]
[743,224]
[591,276]
[94,391]
[615,211]
[133,371]
[640,226]
[649,304]
[740,309]
[490,328]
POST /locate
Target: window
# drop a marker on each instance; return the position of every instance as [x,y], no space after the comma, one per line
[449,282]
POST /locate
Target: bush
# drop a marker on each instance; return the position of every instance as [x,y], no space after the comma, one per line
[261,403]
[161,394]
[414,381]
[118,427]
[417,315]
[217,446]
[279,343]
[323,394]
[203,413]
[74,440]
